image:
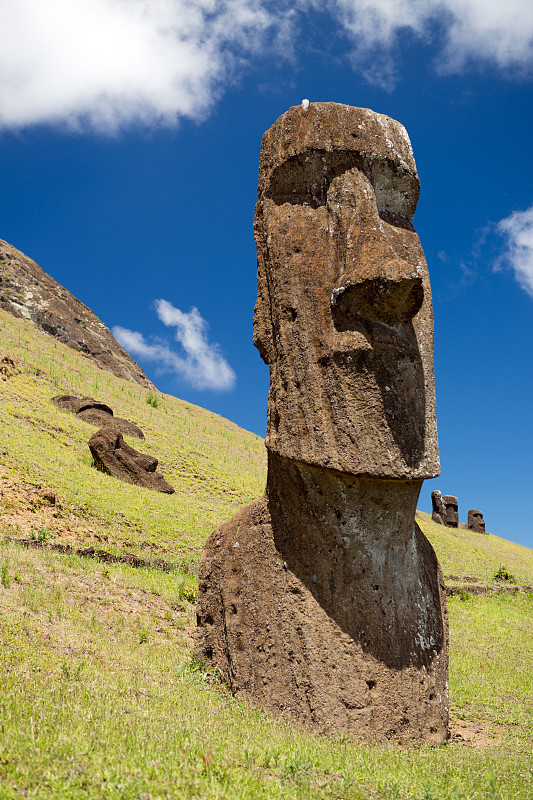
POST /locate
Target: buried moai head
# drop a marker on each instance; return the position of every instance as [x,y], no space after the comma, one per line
[343,315]
[438,510]
[113,455]
[451,505]
[475,521]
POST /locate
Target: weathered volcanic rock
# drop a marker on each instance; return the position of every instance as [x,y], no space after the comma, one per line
[111,454]
[323,600]
[343,316]
[451,505]
[27,291]
[475,521]
[70,402]
[308,615]
[438,510]
[96,413]
[9,367]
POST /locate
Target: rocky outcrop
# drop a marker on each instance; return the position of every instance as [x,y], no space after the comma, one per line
[96,413]
[9,366]
[111,454]
[27,291]
[323,601]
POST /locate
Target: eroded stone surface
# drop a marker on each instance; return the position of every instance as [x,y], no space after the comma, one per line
[319,621]
[113,455]
[9,366]
[343,315]
[475,521]
[27,291]
[323,600]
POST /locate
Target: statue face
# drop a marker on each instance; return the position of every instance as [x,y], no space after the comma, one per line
[343,316]
[438,511]
[452,510]
[476,521]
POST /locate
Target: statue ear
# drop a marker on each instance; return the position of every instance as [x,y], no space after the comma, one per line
[263,334]
[263,339]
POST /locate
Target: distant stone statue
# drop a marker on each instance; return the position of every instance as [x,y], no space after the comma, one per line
[323,601]
[113,455]
[96,413]
[438,510]
[475,521]
[451,505]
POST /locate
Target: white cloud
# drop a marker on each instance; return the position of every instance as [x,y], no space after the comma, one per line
[203,365]
[471,31]
[104,64]
[518,230]
[500,32]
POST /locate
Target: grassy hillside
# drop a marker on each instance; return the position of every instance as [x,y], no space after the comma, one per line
[466,556]
[99,694]
[214,465]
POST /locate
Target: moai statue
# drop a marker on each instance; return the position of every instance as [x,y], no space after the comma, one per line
[475,521]
[113,455]
[323,601]
[451,505]
[438,511]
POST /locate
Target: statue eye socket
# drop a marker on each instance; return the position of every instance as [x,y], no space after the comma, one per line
[305,178]
[396,192]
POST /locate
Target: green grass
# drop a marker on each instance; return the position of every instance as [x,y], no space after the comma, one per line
[492,654]
[100,698]
[475,555]
[215,466]
[99,695]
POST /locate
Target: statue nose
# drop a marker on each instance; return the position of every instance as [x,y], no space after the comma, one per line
[393,294]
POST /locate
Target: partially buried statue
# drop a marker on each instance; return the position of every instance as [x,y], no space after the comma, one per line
[438,511]
[476,522]
[451,506]
[114,456]
[323,601]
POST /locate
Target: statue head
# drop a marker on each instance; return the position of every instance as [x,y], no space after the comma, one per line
[438,511]
[343,315]
[451,504]
[475,521]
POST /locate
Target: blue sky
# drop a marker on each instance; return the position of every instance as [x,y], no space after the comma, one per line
[129,144]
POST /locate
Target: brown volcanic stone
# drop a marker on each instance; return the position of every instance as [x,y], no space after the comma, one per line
[9,366]
[343,315]
[438,510]
[317,621]
[112,455]
[96,413]
[323,600]
[475,521]
[27,291]
[69,402]
[451,505]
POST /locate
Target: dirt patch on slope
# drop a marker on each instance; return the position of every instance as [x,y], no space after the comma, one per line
[28,510]
[473,734]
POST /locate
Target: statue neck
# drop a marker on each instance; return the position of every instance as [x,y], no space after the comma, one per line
[354,507]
